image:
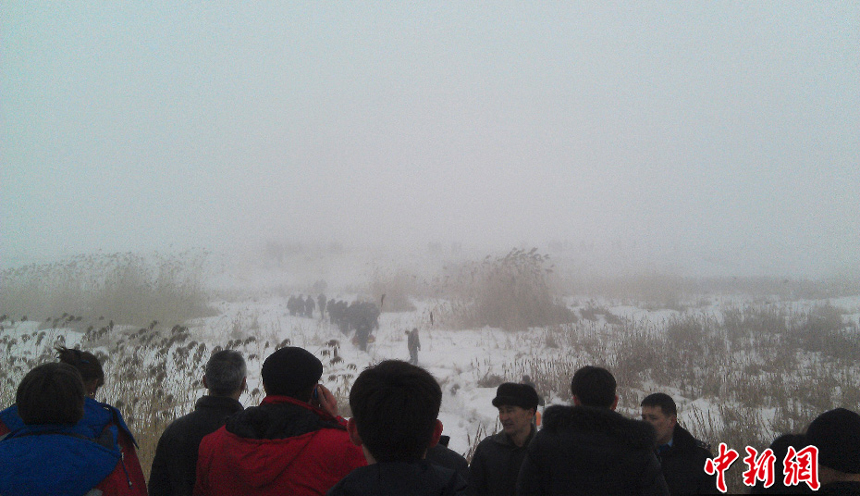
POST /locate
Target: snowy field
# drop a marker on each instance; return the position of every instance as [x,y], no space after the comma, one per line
[742,368]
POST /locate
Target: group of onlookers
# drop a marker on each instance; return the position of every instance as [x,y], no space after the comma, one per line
[58,440]
[304,307]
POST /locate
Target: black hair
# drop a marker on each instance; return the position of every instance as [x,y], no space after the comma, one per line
[51,393]
[225,371]
[664,401]
[594,386]
[395,405]
[87,364]
[780,447]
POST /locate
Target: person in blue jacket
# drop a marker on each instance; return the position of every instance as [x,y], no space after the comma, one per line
[99,421]
[47,455]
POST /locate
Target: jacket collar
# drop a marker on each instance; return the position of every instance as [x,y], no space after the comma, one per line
[218,402]
[502,438]
[584,419]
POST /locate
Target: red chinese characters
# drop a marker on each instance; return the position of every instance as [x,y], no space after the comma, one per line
[719,464]
[759,467]
[801,466]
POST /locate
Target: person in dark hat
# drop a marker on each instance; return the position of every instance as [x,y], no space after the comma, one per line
[589,448]
[836,434]
[497,459]
[293,443]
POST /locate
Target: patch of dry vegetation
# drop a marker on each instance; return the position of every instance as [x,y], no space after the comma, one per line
[398,287]
[124,287]
[768,369]
[512,292]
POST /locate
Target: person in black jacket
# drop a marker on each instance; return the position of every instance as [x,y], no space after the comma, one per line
[589,448]
[444,456]
[681,455]
[497,459]
[174,466]
[836,434]
[394,406]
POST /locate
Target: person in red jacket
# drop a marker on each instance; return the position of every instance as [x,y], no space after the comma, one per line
[293,443]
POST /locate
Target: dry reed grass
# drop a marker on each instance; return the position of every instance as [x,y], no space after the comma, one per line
[513,292]
[124,287]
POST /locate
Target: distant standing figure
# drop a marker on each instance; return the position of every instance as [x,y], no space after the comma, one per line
[414,344]
[321,303]
[309,307]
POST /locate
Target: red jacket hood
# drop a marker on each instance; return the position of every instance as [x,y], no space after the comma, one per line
[277,447]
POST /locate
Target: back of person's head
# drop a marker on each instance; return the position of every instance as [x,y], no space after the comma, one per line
[394,406]
[87,364]
[291,371]
[780,446]
[52,393]
[837,435]
[594,386]
[664,401]
[225,372]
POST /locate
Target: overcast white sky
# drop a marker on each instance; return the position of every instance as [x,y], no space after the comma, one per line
[725,131]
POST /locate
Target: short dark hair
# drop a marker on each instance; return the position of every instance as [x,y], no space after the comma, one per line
[291,371]
[664,401]
[87,364]
[224,373]
[395,405]
[780,447]
[594,386]
[51,393]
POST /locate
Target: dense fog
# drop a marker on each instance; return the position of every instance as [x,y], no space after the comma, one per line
[683,137]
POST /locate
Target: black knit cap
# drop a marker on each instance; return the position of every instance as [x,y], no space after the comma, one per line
[837,435]
[290,370]
[521,395]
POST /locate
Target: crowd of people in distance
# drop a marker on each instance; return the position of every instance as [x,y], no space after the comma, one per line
[359,316]
[58,440]
[299,306]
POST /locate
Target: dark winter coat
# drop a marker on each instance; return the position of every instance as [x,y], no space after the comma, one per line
[584,450]
[448,458]
[684,465]
[495,465]
[100,421]
[175,463]
[840,488]
[401,479]
[283,446]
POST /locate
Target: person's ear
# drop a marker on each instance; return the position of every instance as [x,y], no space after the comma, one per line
[244,384]
[352,429]
[92,386]
[204,382]
[437,433]
[615,403]
[576,401]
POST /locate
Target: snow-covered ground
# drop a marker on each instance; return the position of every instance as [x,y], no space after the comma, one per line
[250,303]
